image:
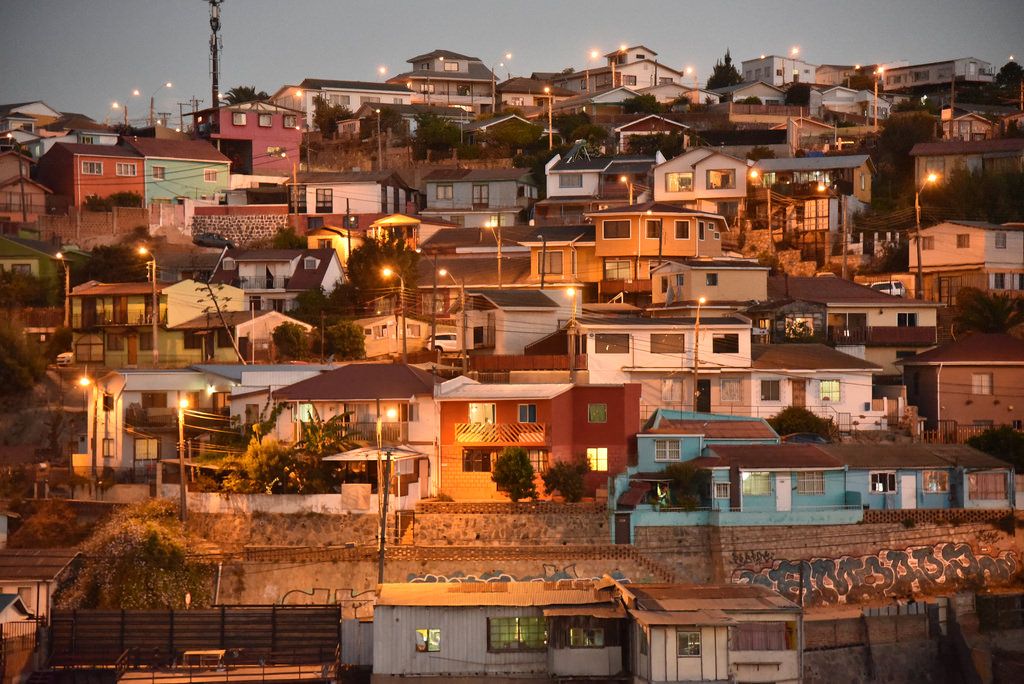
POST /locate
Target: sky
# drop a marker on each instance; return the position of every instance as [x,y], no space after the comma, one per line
[82,55]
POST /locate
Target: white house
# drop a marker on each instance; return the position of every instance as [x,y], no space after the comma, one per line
[765,92]
[778,70]
[505,321]
[349,192]
[272,279]
[349,94]
[383,334]
[705,179]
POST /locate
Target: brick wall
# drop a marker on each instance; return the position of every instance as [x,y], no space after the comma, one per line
[93,227]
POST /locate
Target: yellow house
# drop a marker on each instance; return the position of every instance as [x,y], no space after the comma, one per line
[341,240]
[726,284]
[563,255]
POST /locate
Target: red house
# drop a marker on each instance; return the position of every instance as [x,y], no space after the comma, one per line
[259,138]
[78,171]
[553,422]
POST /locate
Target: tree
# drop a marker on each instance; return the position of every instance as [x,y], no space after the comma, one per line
[367,262]
[670,145]
[565,124]
[899,135]
[987,312]
[344,341]
[240,94]
[514,134]
[117,199]
[513,474]
[18,290]
[996,197]
[752,100]
[53,524]
[593,134]
[799,95]
[111,264]
[325,437]
[326,116]
[760,152]
[434,134]
[724,74]
[566,478]
[140,559]
[21,364]
[390,121]
[1002,442]
[1010,76]
[798,419]
[642,104]
[688,483]
[286,238]
[291,341]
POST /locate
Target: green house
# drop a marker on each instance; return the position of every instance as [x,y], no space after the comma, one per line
[174,169]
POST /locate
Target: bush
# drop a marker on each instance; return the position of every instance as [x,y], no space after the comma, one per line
[798,419]
[566,478]
[291,341]
[21,364]
[54,524]
[1002,442]
[269,467]
[513,474]
[688,483]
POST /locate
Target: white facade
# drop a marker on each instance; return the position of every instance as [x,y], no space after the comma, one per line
[352,95]
[778,70]
[508,330]
[950,245]
[356,198]
[708,175]
[966,69]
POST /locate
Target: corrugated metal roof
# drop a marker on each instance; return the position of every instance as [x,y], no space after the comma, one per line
[706,597]
[34,564]
[685,617]
[912,456]
[848,161]
[563,592]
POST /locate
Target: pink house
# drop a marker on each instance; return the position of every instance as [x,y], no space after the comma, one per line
[258,137]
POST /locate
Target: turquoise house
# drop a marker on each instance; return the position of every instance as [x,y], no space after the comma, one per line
[192,169]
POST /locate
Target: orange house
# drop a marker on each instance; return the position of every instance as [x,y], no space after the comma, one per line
[79,171]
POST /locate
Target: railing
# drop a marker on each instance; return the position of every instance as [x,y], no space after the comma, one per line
[391,432]
[949,432]
[150,418]
[263,282]
[884,334]
[616,286]
[113,318]
[501,433]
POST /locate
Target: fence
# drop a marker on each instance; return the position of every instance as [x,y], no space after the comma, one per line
[17,646]
[949,432]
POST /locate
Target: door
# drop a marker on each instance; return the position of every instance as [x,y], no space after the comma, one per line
[622,535]
[703,403]
[133,350]
[783,492]
[799,393]
[908,491]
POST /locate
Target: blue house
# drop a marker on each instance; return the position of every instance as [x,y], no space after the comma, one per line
[905,476]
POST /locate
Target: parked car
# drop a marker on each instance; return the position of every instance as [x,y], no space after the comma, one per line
[804,438]
[65,358]
[444,342]
[890,287]
[212,240]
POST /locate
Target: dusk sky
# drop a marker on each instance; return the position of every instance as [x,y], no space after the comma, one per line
[82,55]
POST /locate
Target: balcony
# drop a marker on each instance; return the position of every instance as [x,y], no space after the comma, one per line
[114,318]
[395,432]
[263,282]
[613,287]
[885,335]
[502,434]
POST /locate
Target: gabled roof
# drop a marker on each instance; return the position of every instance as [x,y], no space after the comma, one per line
[532,86]
[583,98]
[669,123]
[932,149]
[163,148]
[804,357]
[73,121]
[315,177]
[95,288]
[744,85]
[480,237]
[830,290]
[516,299]
[983,225]
[35,245]
[324,83]
[212,320]
[579,234]
[916,455]
[13,601]
[846,161]
[34,564]
[478,271]
[750,428]
[974,349]
[362,382]
[435,54]
[98,150]
[620,51]
[768,457]
[301,279]
[479,175]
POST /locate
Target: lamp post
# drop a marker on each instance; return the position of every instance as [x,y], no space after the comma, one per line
[67,288]
[842,220]
[614,57]
[879,72]
[495,228]
[383,487]
[696,352]
[690,71]
[155,313]
[494,85]
[930,179]
[754,175]
[594,54]
[183,503]
[380,147]
[387,272]
[543,266]
[462,298]
[84,382]
[793,52]
[21,175]
[571,332]
[152,100]
[551,131]
[628,183]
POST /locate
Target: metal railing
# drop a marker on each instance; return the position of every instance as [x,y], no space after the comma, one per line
[366,431]
[112,318]
[263,282]
[501,433]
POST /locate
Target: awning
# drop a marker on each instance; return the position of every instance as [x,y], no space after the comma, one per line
[398,453]
[682,617]
[603,611]
[635,494]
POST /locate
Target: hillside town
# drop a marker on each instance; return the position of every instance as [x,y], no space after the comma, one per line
[630,370]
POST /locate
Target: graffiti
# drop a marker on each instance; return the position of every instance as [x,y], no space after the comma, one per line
[752,557]
[552,573]
[351,601]
[912,571]
[988,536]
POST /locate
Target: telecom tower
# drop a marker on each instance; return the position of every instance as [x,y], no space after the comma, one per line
[215,48]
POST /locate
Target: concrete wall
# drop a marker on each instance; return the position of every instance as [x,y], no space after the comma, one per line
[242,229]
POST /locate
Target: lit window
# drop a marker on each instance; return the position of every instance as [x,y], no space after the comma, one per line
[981,383]
[428,640]
[811,483]
[451,66]
[829,390]
[883,483]
[146,449]
[483,413]
[687,643]
[108,447]
[757,484]
[721,179]
[666,450]
[597,457]
[679,182]
[516,634]
[935,481]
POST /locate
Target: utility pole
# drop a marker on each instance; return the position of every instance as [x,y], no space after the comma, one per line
[843,208]
[21,175]
[465,324]
[696,353]
[433,308]
[215,47]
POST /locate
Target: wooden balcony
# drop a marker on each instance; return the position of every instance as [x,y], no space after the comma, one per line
[613,287]
[884,335]
[502,434]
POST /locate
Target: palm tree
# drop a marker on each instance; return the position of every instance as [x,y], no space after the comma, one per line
[980,311]
[240,94]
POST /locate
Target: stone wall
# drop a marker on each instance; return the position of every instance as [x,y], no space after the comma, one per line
[90,228]
[233,532]
[444,524]
[241,228]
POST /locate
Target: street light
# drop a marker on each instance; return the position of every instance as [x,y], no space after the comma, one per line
[572,293]
[551,131]
[388,272]
[155,313]
[382,70]
[494,78]
[594,54]
[690,71]
[445,273]
[930,179]
[696,351]
[85,382]
[793,52]
[182,405]
[879,72]
[380,147]
[755,175]
[67,288]
[152,98]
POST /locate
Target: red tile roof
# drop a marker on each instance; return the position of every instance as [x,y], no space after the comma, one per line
[754,428]
[828,290]
[768,457]
[928,149]
[361,382]
[809,356]
[176,149]
[99,150]
[977,348]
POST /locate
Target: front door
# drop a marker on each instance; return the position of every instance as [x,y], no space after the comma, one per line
[133,350]
[799,393]
[783,492]
[703,402]
[908,491]
[622,535]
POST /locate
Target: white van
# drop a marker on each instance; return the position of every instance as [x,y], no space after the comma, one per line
[890,287]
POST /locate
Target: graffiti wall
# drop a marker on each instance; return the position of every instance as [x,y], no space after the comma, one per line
[919,570]
[552,573]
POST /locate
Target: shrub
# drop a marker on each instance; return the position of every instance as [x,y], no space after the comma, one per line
[688,483]
[798,419]
[566,477]
[291,341]
[513,474]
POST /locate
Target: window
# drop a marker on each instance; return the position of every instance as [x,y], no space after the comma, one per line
[682,230]
[981,383]
[687,643]
[700,229]
[108,447]
[570,180]
[883,483]
[721,179]
[159,172]
[679,182]
[628,80]
[266,120]
[653,229]
[485,413]
[721,490]
[309,263]
[527,413]
[730,391]
[615,230]
[238,118]
[476,460]
[609,343]
[586,637]
[811,483]
[451,66]
[125,169]
[597,413]
[667,343]
[616,269]
[539,460]
[761,636]
[443,191]
[92,168]
[935,481]
[325,200]
[986,486]
[828,390]
[146,449]
[1000,239]
[963,240]
[516,634]
[725,343]
[428,640]
[770,390]
[597,457]
[998,281]
[554,263]
[481,193]
[289,121]
[757,484]
[711,280]
[24,269]
[115,342]
[193,340]
[666,450]
[209,175]
[88,140]
[906,320]
[146,341]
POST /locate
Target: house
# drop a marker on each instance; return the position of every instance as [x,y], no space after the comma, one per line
[652,124]
[672,93]
[908,476]
[331,195]
[705,179]
[251,330]
[712,633]
[779,70]
[739,142]
[957,254]
[175,169]
[837,74]
[849,176]
[554,422]
[12,609]
[383,335]
[767,93]
[601,105]
[21,198]
[505,321]
[366,116]
[445,238]
[972,381]
[1002,155]
[529,93]
[26,116]
[480,131]
[477,197]
[78,172]
[112,323]
[35,575]
[915,77]
[258,137]
[449,78]
[564,255]
[32,257]
[842,100]
[458,273]
[631,67]
[725,283]
[959,125]
[272,279]
[71,128]
[349,94]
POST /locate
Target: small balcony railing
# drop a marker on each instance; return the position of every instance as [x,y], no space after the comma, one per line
[396,432]
[501,434]
[114,318]
[883,335]
[629,286]
[263,282]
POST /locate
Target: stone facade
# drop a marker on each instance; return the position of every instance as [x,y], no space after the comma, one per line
[243,230]
[87,228]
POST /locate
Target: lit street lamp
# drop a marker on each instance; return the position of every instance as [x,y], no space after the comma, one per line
[696,352]
[152,99]
[551,131]
[494,78]
[879,72]
[387,272]
[67,288]
[931,179]
[182,405]
[155,313]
